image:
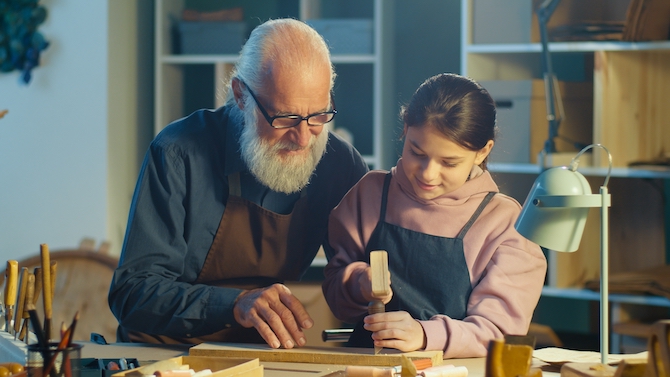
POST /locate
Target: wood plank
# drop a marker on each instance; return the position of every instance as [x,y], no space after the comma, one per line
[631,111]
[318,355]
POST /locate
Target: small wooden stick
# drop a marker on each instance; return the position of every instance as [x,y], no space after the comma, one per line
[22,301]
[46,289]
[38,284]
[30,293]
[11,287]
[54,270]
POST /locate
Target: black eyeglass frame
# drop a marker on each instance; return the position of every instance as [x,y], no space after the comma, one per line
[298,118]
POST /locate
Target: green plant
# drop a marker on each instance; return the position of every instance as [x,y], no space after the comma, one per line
[20,42]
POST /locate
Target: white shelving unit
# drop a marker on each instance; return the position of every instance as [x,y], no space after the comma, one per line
[378,118]
[522,61]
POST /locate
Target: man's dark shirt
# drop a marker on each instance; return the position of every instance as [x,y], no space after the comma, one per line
[176,209]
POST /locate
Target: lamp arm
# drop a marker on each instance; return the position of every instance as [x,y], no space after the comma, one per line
[544,12]
[575,160]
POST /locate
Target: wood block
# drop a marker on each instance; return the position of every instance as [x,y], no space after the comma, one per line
[317,355]
[379,263]
[587,370]
[220,366]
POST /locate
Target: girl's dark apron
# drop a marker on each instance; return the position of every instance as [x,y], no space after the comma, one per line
[429,274]
[252,248]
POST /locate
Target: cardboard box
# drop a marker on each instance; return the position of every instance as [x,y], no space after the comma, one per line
[220,366]
[211,37]
[345,36]
[513,119]
[522,119]
[501,21]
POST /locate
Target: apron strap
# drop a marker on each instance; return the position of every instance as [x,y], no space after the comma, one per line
[385,190]
[234,186]
[475,215]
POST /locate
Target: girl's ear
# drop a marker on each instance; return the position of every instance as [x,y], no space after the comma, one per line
[484,152]
[236,84]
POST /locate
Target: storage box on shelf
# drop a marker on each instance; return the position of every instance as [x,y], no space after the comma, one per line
[211,37]
[623,106]
[522,118]
[346,36]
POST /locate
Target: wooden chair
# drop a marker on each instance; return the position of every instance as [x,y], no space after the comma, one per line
[83,276]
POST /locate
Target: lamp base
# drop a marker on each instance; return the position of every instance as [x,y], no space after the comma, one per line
[587,370]
[550,160]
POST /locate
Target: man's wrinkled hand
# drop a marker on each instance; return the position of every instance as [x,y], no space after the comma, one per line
[276,313]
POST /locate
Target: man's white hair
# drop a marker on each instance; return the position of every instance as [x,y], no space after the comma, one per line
[284,42]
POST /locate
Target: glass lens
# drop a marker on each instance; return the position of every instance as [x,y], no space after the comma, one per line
[286,121]
[320,119]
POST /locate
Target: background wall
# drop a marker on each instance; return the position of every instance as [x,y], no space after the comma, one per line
[70,142]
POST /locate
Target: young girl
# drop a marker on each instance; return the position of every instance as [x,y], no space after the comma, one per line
[461,275]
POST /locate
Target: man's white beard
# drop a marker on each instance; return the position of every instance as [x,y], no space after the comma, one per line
[287,174]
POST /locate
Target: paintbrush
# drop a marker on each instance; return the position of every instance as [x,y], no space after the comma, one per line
[22,301]
[46,289]
[29,300]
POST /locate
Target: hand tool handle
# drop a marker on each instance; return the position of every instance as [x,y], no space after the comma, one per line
[11,282]
[46,289]
[379,264]
[22,299]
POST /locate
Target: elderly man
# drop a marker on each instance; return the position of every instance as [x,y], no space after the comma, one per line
[232,202]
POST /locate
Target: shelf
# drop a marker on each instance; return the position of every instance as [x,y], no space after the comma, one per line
[214,59]
[589,46]
[585,294]
[663,173]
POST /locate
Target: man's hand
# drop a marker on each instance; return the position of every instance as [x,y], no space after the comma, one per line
[275,313]
[396,330]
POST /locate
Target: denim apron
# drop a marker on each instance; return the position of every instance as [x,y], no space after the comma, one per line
[429,274]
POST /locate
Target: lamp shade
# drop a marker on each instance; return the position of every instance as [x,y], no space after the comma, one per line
[555,226]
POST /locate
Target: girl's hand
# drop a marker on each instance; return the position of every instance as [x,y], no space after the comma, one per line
[365,284]
[396,330]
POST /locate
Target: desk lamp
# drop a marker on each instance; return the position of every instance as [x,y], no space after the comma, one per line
[554,215]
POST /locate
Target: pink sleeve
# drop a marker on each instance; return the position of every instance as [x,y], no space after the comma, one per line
[501,303]
[349,228]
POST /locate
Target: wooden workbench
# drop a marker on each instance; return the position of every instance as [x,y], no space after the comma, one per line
[148,353]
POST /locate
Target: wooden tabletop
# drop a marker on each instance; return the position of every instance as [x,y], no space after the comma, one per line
[148,353]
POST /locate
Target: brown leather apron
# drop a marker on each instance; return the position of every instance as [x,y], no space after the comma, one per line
[252,248]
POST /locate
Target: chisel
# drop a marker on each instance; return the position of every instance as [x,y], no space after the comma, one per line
[11,287]
[22,301]
[46,289]
[379,266]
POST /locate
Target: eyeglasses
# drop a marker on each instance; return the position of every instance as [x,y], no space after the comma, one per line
[292,120]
